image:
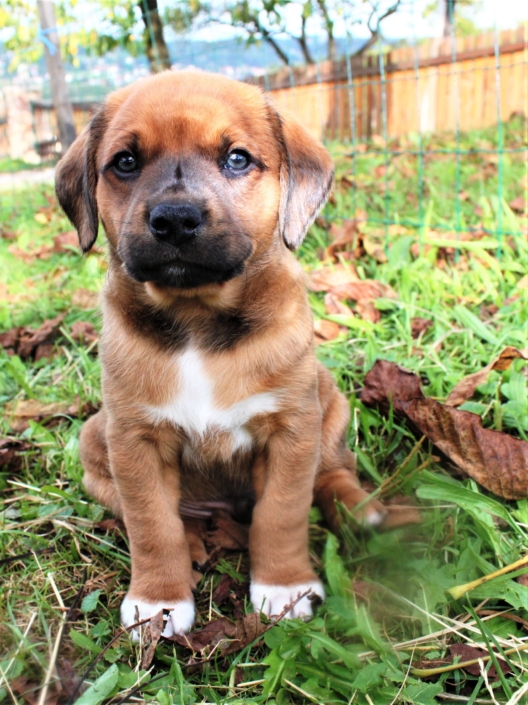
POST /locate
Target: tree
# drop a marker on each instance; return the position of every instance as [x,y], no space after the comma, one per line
[268,20]
[452,20]
[134,25]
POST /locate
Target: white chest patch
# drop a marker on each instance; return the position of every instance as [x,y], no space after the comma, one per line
[194,409]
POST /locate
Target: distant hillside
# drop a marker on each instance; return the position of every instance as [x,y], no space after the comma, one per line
[97,75]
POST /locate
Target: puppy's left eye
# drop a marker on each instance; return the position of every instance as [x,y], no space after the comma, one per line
[125,163]
[238,160]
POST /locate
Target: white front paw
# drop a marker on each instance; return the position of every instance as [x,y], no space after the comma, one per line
[272,600]
[180,619]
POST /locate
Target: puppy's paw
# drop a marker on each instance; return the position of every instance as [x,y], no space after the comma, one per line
[373,514]
[272,600]
[180,620]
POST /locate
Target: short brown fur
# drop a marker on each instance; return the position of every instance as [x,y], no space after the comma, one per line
[253,331]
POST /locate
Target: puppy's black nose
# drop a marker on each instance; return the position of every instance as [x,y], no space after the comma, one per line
[175,224]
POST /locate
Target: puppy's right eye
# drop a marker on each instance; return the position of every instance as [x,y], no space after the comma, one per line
[125,163]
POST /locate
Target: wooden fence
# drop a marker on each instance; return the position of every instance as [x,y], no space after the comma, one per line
[432,87]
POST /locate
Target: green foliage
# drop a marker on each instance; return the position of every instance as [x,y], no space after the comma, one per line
[387,609]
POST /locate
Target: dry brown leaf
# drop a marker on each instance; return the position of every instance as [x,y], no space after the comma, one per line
[228,533]
[84,298]
[329,278]
[9,339]
[248,629]
[518,204]
[209,636]
[114,526]
[465,389]
[65,242]
[35,409]
[334,306]
[70,680]
[327,330]
[364,290]
[388,382]
[468,653]
[368,312]
[45,334]
[420,325]
[81,409]
[223,589]
[494,459]
[10,450]
[153,632]
[375,250]
[346,237]
[225,635]
[84,332]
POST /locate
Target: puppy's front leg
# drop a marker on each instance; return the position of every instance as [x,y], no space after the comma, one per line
[142,462]
[284,479]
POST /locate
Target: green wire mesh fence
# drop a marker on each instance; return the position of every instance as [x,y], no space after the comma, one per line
[429,137]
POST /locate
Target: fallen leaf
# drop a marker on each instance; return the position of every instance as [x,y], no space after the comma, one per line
[9,339]
[368,312]
[419,326]
[209,636]
[10,453]
[82,409]
[152,633]
[84,332]
[465,389]
[494,459]
[46,333]
[222,633]
[388,382]
[114,526]
[65,242]
[227,533]
[465,652]
[329,278]
[248,629]
[327,330]
[69,679]
[518,204]
[375,250]
[35,409]
[84,298]
[344,283]
[346,237]
[334,306]
[365,289]
[223,589]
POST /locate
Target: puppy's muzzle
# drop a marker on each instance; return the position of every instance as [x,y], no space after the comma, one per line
[175,224]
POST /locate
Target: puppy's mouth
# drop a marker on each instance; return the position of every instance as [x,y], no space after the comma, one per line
[181,274]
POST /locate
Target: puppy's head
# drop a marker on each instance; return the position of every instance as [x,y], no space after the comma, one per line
[193,176]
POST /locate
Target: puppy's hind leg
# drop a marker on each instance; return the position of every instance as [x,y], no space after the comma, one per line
[97,479]
[336,480]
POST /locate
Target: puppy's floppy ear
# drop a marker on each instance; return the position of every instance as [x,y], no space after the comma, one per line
[76,181]
[306,179]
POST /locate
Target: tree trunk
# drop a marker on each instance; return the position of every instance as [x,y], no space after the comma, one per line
[59,87]
[304,44]
[329,30]
[268,38]
[156,49]
[449,17]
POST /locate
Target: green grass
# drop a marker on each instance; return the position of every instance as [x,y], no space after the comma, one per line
[387,610]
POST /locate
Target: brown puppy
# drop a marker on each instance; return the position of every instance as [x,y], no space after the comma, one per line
[210,383]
